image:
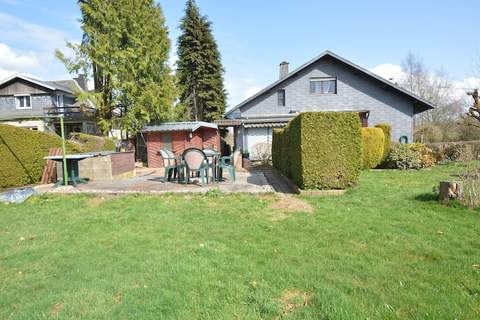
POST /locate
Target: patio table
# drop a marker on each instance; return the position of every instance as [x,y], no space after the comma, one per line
[72,167]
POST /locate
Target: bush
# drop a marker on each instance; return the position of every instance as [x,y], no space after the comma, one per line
[373,145]
[22,152]
[387,132]
[320,150]
[427,158]
[401,156]
[456,151]
[89,143]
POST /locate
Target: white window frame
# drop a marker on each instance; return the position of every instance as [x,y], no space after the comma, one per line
[18,99]
[323,79]
[59,101]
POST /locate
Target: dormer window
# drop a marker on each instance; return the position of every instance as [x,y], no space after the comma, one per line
[23,102]
[323,85]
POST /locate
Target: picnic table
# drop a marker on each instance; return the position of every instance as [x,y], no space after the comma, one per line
[72,166]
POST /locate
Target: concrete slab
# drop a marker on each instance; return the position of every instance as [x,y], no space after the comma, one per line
[152,182]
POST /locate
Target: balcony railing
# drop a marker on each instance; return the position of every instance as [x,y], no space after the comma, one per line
[71,112]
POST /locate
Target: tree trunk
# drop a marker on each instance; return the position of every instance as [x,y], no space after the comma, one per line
[450,190]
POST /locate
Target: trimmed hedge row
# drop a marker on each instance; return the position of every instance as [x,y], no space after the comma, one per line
[387,132]
[373,147]
[22,152]
[88,143]
[320,150]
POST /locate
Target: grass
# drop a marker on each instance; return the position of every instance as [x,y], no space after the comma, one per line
[385,250]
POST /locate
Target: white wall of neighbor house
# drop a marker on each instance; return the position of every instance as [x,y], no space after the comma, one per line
[38,125]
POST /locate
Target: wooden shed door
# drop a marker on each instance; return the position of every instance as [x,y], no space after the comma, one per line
[167,141]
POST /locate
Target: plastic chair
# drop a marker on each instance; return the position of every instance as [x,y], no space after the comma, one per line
[195,162]
[226,162]
[169,163]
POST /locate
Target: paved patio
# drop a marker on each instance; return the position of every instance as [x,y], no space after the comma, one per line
[152,181]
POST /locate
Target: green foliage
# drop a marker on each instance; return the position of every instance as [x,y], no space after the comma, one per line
[387,131]
[373,146]
[199,67]
[401,156]
[320,150]
[427,157]
[88,143]
[125,49]
[22,152]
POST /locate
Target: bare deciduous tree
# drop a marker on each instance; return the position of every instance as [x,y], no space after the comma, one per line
[434,87]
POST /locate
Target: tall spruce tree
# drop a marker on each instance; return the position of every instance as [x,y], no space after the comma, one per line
[125,49]
[199,67]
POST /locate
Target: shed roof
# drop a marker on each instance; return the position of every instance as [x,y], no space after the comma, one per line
[179,126]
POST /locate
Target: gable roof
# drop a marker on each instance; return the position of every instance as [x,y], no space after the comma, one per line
[179,126]
[422,103]
[68,86]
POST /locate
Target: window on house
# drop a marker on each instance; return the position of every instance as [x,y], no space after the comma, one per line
[281,97]
[323,85]
[59,102]
[23,102]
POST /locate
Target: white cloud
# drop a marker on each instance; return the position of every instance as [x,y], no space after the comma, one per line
[389,71]
[20,62]
[240,89]
[28,48]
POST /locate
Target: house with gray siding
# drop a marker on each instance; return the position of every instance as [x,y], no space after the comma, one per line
[326,83]
[36,104]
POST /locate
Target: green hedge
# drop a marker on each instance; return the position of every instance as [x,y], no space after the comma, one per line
[22,152]
[320,150]
[387,132]
[89,143]
[373,146]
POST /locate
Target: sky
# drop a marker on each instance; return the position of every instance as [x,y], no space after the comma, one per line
[255,36]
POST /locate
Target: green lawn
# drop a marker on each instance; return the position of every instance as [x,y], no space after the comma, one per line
[385,250]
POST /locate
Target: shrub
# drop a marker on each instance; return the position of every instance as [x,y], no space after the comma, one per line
[22,152]
[89,143]
[459,152]
[401,156]
[427,157]
[320,150]
[373,145]
[387,132]
[456,151]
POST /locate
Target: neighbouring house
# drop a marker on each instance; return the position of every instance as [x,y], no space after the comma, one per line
[326,83]
[36,104]
[178,136]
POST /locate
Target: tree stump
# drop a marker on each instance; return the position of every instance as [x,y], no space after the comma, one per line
[450,190]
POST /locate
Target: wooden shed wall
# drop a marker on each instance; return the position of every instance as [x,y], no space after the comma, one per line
[201,138]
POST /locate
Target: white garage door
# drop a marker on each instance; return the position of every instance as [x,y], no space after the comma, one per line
[258,141]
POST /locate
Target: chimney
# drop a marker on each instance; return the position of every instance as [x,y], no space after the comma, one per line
[283,69]
[82,81]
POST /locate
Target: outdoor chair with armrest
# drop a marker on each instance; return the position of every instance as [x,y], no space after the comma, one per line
[169,164]
[212,157]
[226,162]
[195,162]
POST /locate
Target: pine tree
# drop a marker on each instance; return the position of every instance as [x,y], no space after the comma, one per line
[199,67]
[125,48]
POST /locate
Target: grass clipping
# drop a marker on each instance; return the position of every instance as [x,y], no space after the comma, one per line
[284,206]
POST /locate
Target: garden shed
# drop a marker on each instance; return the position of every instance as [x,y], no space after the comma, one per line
[178,136]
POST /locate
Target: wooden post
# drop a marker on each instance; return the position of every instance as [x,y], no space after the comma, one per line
[450,190]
